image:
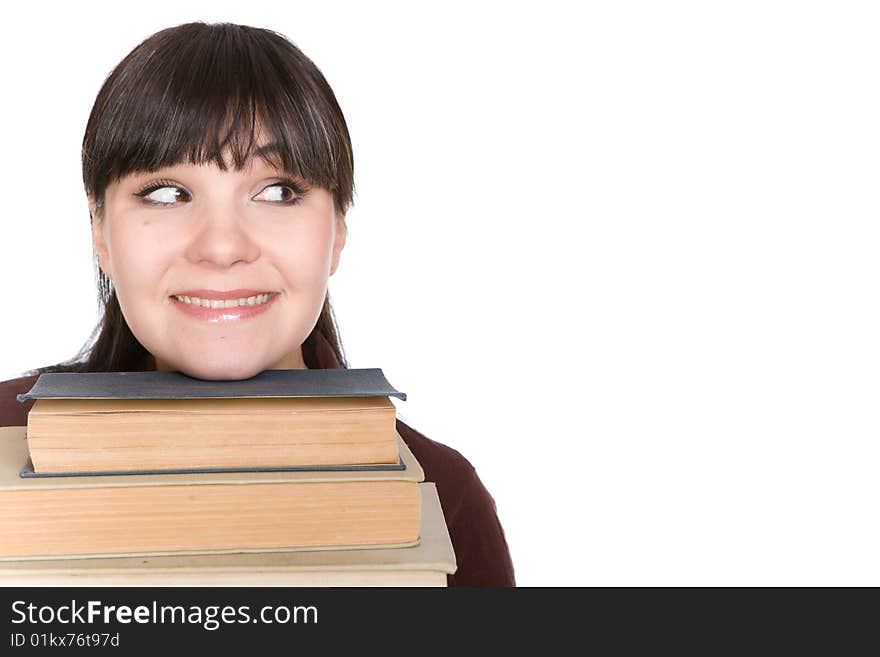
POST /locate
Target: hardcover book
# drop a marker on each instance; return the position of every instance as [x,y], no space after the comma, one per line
[123,421]
[203,512]
[425,564]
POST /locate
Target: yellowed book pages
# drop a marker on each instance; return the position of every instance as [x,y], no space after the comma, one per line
[426,564]
[98,435]
[345,578]
[83,516]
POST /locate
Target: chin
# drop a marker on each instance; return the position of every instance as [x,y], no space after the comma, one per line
[220,370]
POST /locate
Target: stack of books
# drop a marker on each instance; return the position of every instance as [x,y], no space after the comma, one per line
[292,477]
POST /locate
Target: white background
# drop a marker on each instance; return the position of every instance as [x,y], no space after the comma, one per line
[623,257]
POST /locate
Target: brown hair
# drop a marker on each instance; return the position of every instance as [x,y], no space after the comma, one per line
[187,93]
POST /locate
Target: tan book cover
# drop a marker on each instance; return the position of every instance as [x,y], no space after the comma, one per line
[96,435]
[81,516]
[426,564]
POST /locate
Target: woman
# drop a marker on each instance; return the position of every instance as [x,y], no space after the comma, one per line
[218,169]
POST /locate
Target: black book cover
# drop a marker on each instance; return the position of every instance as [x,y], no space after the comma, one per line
[370,382]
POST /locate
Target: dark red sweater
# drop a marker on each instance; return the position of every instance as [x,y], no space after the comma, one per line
[477,536]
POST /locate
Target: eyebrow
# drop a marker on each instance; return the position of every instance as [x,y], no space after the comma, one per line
[260,152]
[272,147]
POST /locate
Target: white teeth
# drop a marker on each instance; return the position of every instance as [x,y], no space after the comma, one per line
[224,303]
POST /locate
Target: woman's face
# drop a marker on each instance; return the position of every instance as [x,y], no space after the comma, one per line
[219,274]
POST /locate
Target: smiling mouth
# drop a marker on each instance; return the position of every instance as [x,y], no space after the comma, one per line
[255,300]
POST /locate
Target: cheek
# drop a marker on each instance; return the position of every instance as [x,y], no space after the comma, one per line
[138,257]
[139,261]
[303,254]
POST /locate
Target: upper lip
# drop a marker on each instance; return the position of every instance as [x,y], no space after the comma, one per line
[222,294]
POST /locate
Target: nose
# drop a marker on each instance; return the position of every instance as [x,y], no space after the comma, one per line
[221,238]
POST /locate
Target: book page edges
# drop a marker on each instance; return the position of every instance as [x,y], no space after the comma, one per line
[14,454]
[320,578]
[433,551]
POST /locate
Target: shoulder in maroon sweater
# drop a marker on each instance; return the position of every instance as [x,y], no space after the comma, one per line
[477,536]
[12,412]
[471,515]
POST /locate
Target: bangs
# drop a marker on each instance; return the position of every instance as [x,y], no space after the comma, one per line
[222,94]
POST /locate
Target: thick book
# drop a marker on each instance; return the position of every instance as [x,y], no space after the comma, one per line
[122,421]
[204,512]
[425,564]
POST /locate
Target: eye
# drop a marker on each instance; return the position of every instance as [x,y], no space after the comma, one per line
[284,192]
[162,192]
[166,193]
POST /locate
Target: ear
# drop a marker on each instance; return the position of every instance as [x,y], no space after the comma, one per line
[98,239]
[338,243]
